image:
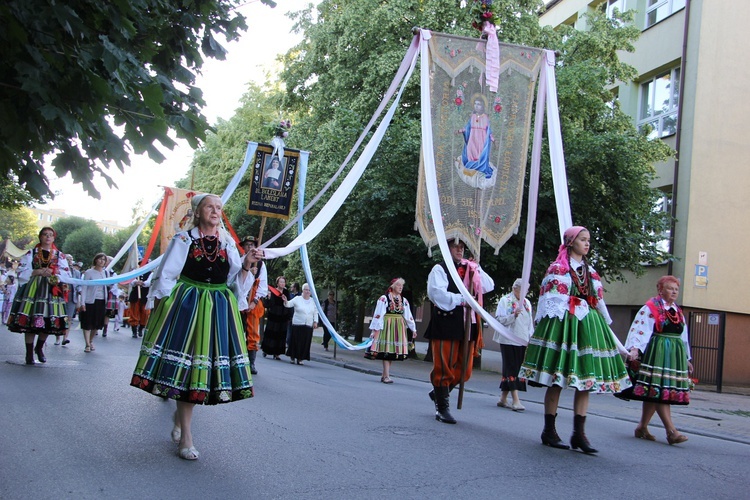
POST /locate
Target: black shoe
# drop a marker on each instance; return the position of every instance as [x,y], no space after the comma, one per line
[442,405]
[65,342]
[580,441]
[553,440]
[104,334]
[549,435]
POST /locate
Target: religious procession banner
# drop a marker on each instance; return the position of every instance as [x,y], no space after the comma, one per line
[480,140]
[177,213]
[272,181]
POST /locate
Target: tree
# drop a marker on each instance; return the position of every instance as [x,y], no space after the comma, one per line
[371,241]
[18,225]
[67,226]
[84,243]
[89,82]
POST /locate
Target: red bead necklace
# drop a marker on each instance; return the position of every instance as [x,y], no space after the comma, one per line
[212,255]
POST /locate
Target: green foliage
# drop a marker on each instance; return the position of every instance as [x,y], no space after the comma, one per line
[87,83]
[18,224]
[83,243]
[12,195]
[67,226]
[334,80]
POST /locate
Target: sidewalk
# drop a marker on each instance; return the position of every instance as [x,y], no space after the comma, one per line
[722,416]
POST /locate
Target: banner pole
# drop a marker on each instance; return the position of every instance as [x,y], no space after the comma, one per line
[262,226]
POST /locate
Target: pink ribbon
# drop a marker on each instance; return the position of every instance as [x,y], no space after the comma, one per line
[492,63]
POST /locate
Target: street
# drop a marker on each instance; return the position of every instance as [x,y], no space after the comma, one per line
[74,428]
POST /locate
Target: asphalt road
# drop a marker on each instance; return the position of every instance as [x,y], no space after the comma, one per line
[74,428]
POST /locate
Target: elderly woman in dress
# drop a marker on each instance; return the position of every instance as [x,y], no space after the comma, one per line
[514,315]
[390,339]
[659,360]
[304,321]
[39,305]
[194,349]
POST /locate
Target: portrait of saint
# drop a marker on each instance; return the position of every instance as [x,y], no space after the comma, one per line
[273,175]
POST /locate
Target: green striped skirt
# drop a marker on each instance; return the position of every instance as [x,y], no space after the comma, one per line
[194,347]
[38,307]
[392,342]
[663,375]
[575,353]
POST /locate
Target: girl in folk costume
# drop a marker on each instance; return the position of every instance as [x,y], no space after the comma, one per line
[39,305]
[659,360]
[390,339]
[194,348]
[572,345]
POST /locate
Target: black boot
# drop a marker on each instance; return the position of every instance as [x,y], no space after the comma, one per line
[549,435]
[39,352]
[578,439]
[134,328]
[30,354]
[140,331]
[442,406]
[251,355]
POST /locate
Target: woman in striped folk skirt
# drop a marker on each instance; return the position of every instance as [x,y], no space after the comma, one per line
[38,308]
[194,348]
[390,339]
[572,345]
[660,360]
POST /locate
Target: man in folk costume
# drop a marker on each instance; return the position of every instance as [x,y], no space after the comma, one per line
[446,329]
[251,307]
[138,297]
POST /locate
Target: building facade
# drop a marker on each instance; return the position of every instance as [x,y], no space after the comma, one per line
[690,90]
[48,217]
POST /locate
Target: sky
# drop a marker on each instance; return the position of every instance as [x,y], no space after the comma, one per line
[223,84]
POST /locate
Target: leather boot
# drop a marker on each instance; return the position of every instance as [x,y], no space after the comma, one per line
[578,439]
[134,328]
[549,435]
[442,404]
[39,352]
[30,354]
[251,355]
[140,330]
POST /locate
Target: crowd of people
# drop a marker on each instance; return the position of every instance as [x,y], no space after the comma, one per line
[199,316]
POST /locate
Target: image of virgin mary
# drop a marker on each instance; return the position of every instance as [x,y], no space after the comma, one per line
[474,165]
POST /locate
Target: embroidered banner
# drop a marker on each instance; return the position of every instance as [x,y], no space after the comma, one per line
[480,140]
[272,182]
[177,213]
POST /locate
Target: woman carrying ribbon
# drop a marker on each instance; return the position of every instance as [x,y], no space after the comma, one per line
[39,305]
[194,347]
[572,345]
[659,360]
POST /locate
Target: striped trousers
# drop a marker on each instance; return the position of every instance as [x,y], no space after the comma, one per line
[448,361]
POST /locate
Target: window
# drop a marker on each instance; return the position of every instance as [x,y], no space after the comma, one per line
[658,104]
[49,218]
[664,204]
[657,10]
[614,4]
